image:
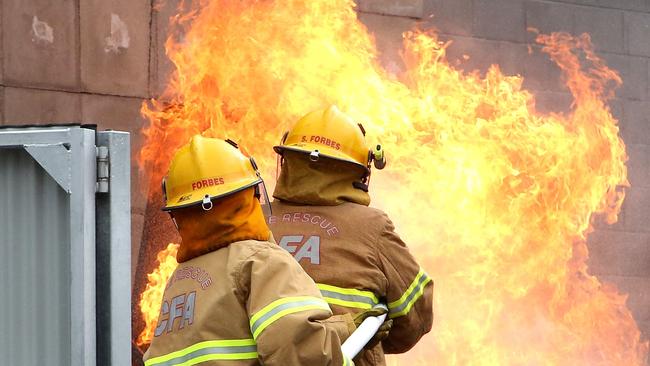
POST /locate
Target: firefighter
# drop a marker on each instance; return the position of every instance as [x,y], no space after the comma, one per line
[321,216]
[236,297]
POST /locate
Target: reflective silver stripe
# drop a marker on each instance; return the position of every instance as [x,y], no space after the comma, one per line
[226,350]
[307,304]
[348,298]
[412,297]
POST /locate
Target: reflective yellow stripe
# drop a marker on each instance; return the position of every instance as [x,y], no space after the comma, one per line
[285,306]
[198,360]
[404,304]
[235,349]
[348,297]
[347,361]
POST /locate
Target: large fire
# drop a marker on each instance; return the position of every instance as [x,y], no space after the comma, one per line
[494,198]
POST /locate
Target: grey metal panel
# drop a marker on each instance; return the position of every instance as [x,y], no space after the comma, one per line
[34,264]
[29,136]
[113,216]
[76,296]
[55,159]
[82,246]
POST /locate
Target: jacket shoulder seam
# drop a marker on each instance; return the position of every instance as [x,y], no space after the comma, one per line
[378,254]
[238,272]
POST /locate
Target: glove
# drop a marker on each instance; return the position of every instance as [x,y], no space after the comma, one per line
[360,317]
[382,333]
[383,330]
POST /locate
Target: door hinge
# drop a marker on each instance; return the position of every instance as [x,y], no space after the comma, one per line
[103,173]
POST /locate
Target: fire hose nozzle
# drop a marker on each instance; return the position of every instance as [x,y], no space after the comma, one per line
[378,157]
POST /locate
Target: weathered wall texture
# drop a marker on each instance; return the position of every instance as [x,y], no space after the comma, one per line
[77,61]
[96,61]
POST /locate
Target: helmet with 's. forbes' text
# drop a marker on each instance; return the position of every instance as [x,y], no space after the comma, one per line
[332,134]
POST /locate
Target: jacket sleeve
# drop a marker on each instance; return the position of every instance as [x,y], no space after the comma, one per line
[409,293]
[289,320]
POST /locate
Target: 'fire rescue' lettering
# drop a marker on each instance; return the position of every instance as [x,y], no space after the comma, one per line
[206,183]
[181,307]
[306,218]
[309,249]
[198,274]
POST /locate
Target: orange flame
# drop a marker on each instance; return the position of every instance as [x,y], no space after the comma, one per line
[152,295]
[494,198]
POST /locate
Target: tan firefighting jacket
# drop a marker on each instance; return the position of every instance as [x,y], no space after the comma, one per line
[351,251]
[245,302]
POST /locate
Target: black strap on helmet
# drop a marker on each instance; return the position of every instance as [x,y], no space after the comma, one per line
[164,189]
[233,143]
[360,185]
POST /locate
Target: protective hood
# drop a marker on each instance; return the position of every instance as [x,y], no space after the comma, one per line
[235,217]
[326,182]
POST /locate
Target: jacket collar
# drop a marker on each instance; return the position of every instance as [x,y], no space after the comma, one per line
[233,218]
[326,182]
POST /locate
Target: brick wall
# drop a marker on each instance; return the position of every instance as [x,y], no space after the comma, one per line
[96,61]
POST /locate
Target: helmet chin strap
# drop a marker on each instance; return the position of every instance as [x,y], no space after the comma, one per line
[164,192]
[365,178]
[266,205]
[360,185]
[365,181]
[280,158]
[171,216]
[279,161]
[164,189]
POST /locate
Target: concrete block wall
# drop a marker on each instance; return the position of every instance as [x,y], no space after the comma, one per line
[495,31]
[78,61]
[96,61]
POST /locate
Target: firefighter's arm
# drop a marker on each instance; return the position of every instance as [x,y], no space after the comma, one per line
[289,320]
[409,293]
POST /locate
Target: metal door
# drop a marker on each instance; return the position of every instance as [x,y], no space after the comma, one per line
[60,209]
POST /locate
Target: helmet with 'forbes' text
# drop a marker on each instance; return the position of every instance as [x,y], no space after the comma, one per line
[331,133]
[207,169]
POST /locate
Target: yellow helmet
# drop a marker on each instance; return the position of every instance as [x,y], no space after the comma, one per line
[206,169]
[330,133]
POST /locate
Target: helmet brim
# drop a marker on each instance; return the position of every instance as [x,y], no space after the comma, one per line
[322,152]
[196,198]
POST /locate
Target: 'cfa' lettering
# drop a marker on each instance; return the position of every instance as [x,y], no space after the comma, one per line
[308,249]
[181,307]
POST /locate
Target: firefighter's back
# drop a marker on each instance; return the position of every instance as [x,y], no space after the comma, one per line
[334,244]
[357,260]
[336,247]
[202,318]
